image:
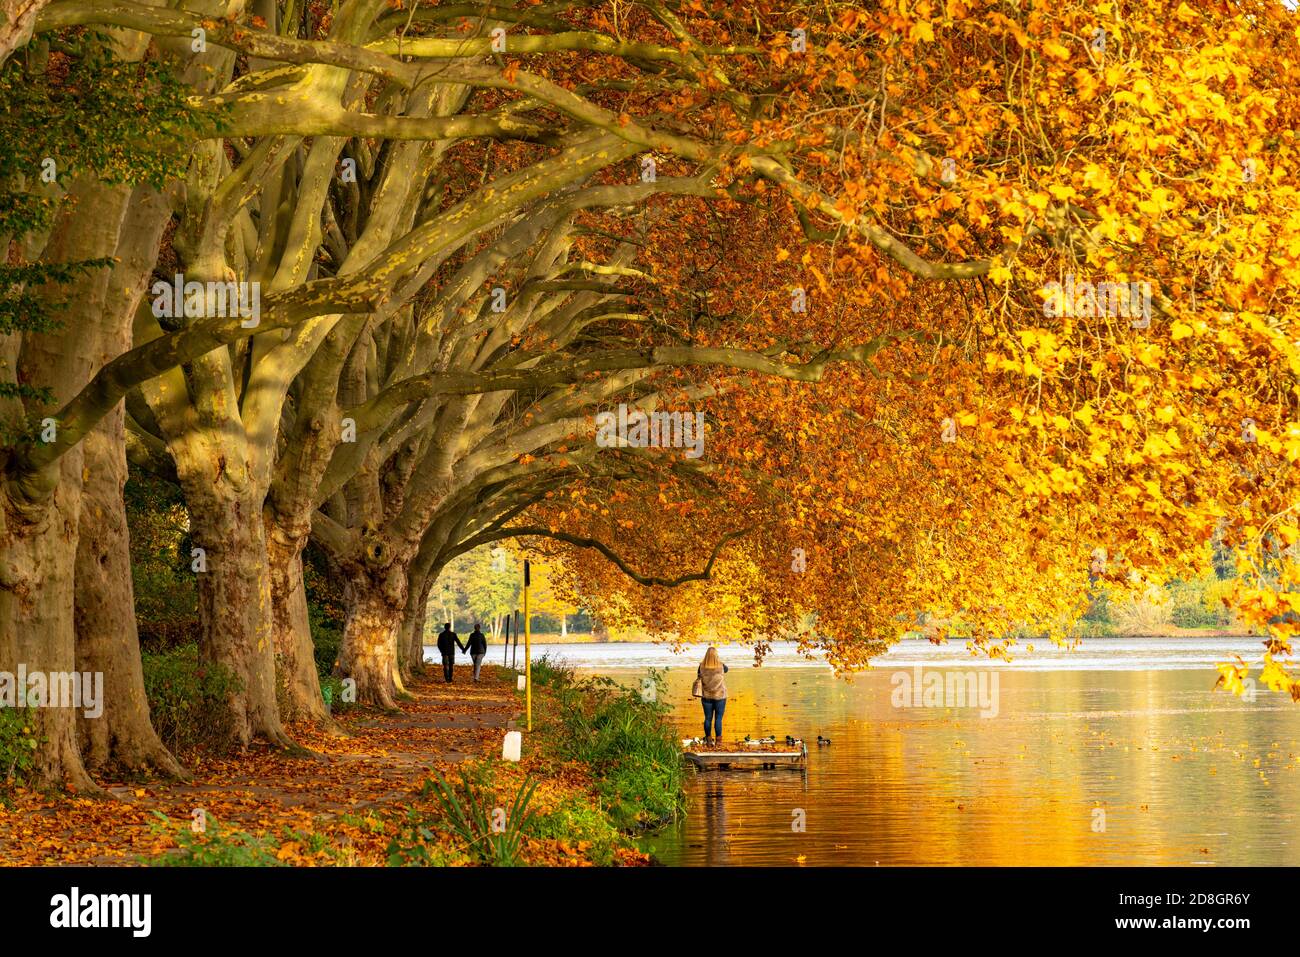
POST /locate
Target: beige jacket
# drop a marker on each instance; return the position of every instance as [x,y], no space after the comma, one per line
[713,683]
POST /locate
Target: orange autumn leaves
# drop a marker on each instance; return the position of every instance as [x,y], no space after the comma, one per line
[971,475]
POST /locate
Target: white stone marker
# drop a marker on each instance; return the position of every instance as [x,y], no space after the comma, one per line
[512,747]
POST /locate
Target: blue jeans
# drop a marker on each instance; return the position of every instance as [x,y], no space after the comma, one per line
[713,709]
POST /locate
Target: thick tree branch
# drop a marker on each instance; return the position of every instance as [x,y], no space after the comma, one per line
[570,371]
[537,531]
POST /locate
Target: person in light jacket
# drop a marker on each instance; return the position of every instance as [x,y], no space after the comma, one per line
[477,648]
[713,694]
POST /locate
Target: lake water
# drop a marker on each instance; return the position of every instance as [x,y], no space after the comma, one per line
[1116,753]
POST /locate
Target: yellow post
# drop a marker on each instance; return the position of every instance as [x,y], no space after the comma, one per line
[528,648]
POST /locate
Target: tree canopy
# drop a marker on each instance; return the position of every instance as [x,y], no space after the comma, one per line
[893,313]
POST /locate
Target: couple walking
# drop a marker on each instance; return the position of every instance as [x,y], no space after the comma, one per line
[448,642]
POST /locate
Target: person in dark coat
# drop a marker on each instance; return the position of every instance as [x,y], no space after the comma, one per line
[447,645]
[477,648]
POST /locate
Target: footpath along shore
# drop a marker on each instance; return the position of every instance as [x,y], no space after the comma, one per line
[362,798]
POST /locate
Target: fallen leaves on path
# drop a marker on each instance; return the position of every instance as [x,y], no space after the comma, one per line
[342,804]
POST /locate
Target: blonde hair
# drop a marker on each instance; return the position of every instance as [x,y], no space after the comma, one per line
[711,659]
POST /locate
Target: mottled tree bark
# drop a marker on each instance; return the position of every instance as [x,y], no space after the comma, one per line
[107,640]
[40,511]
[17,18]
[38,547]
[295,655]
[224,474]
[369,653]
[107,637]
[410,642]
[234,593]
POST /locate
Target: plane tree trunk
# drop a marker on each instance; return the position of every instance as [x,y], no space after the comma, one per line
[40,510]
[107,641]
[410,650]
[234,592]
[376,603]
[295,657]
[38,549]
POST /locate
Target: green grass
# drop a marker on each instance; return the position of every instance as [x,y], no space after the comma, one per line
[626,739]
[215,846]
[219,845]
[575,821]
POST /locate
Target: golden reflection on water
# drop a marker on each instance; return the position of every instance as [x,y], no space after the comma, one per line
[1182,775]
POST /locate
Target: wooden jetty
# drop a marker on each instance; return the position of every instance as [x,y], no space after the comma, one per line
[741,757]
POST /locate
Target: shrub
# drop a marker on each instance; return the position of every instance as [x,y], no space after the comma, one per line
[187,699]
[416,846]
[326,639]
[1216,598]
[326,615]
[331,689]
[166,597]
[1141,610]
[1099,608]
[487,832]
[1197,606]
[548,673]
[1193,616]
[18,744]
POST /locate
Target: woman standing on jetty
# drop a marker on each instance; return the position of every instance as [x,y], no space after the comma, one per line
[713,694]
